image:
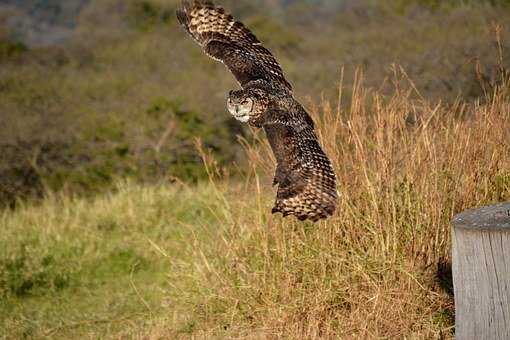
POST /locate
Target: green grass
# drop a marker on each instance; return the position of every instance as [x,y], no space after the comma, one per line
[73,267]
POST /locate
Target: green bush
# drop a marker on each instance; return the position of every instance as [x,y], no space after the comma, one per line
[145,15]
[25,272]
[10,49]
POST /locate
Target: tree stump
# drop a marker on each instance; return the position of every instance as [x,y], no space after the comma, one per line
[481,273]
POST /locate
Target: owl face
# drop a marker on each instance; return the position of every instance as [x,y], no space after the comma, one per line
[240,107]
[246,106]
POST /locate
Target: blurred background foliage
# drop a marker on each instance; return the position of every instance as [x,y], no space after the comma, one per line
[93,90]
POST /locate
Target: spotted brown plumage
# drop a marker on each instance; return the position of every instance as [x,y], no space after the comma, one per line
[228,41]
[304,175]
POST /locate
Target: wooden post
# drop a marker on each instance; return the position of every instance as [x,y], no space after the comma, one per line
[481,273]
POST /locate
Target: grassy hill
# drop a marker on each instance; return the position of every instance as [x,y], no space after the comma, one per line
[129,93]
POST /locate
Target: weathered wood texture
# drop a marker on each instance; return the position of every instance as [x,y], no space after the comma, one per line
[481,273]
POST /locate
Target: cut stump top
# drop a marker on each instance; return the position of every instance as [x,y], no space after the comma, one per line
[493,217]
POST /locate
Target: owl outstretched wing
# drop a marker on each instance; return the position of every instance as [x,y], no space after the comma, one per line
[304,175]
[229,41]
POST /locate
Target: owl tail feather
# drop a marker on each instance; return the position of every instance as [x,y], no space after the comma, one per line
[306,211]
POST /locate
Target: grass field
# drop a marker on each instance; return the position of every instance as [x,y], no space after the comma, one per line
[208,260]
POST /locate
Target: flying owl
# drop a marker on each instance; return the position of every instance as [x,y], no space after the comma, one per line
[304,175]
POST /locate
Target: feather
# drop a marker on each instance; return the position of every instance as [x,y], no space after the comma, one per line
[229,41]
[304,175]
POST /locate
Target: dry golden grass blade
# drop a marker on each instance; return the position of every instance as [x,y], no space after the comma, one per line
[374,269]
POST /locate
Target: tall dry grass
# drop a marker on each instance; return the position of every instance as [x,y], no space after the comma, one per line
[379,267]
[210,261]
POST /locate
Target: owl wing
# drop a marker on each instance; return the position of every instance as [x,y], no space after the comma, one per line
[230,42]
[304,175]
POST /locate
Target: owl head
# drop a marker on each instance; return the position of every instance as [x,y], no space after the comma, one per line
[247,105]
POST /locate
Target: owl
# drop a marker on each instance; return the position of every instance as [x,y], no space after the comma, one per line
[304,175]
